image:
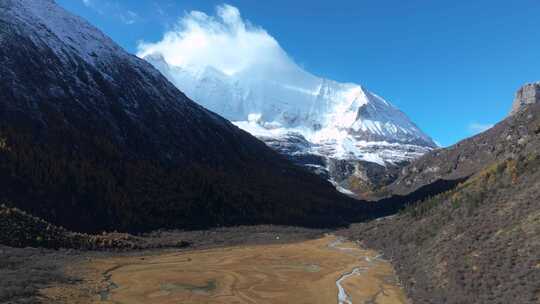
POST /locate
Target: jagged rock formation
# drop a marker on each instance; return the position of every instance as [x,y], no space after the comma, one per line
[358,178]
[526,95]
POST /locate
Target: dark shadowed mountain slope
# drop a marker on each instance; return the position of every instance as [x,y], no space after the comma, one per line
[479,242]
[93,138]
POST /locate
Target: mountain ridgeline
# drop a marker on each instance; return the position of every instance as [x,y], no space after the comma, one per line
[93,138]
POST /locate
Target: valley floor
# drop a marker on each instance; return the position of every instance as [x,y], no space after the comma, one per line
[259,264]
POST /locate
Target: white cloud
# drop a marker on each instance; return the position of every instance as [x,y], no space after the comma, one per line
[129,17]
[114,9]
[476,127]
[159,9]
[224,41]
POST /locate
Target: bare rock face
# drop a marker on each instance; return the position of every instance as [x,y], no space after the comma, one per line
[526,95]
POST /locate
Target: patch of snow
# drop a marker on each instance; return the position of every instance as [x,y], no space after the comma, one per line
[51,26]
[254,128]
[345,191]
[61,29]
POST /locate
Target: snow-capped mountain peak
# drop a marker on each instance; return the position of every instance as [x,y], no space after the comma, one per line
[340,116]
[241,72]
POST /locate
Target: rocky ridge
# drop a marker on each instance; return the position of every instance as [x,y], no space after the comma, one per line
[508,138]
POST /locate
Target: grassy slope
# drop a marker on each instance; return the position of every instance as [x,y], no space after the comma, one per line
[478,243]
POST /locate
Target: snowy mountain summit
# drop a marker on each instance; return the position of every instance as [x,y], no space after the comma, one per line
[241,72]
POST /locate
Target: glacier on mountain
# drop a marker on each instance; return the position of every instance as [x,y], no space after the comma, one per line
[245,76]
[241,72]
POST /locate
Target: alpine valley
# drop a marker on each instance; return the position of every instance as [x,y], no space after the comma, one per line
[253,186]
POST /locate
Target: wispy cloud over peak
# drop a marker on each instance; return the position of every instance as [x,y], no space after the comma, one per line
[225,42]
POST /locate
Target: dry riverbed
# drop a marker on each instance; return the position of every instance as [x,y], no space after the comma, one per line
[323,270]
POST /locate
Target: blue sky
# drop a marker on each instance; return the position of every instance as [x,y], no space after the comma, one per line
[452,66]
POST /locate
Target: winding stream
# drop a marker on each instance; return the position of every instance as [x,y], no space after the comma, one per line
[343,297]
[369,261]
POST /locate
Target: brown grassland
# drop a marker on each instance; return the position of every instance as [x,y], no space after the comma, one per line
[304,272]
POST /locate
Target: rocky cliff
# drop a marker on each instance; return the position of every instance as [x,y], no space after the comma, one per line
[526,95]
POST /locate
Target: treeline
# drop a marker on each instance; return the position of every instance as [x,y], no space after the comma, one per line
[89,185]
